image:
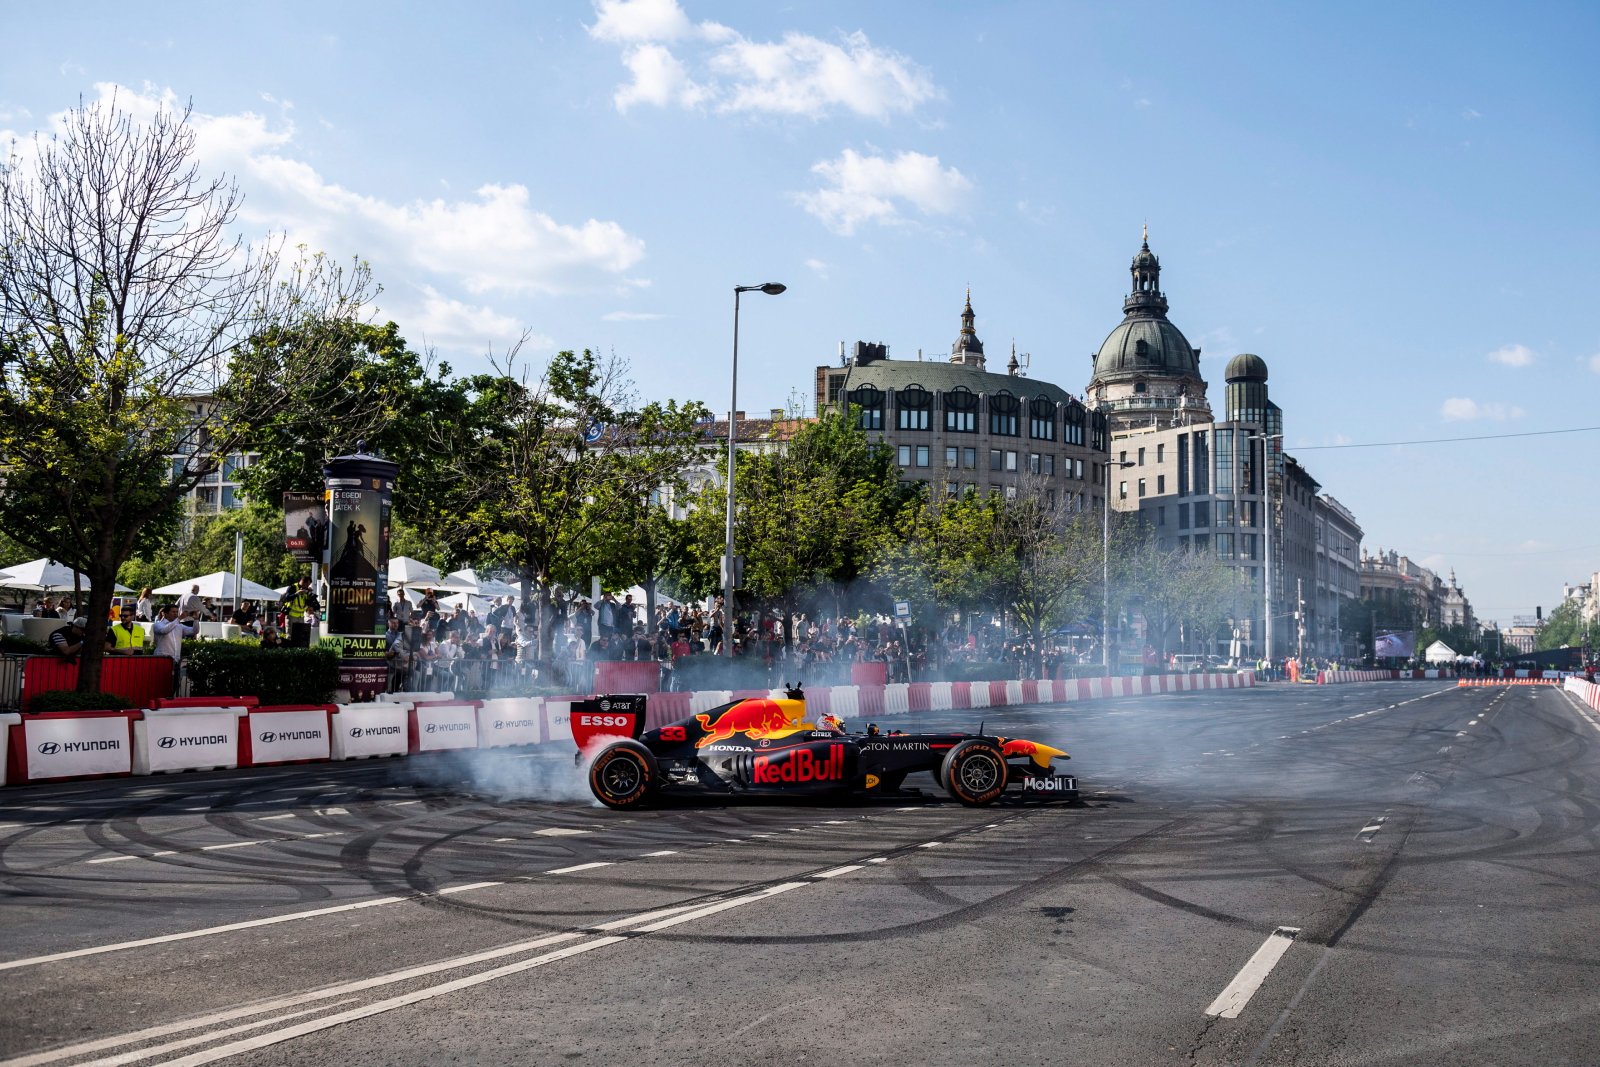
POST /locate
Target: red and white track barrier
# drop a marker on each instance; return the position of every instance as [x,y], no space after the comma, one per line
[1588,692]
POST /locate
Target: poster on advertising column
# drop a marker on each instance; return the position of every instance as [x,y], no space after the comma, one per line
[360,490]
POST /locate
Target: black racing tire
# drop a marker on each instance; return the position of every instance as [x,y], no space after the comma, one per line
[623,775]
[974,772]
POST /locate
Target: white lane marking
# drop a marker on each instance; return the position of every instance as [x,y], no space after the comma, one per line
[1372,827]
[837,871]
[270,818]
[580,867]
[1231,1001]
[403,803]
[663,852]
[55,957]
[332,811]
[1461,733]
[430,992]
[879,859]
[835,822]
[560,831]
[930,844]
[501,840]
[216,848]
[200,1039]
[115,859]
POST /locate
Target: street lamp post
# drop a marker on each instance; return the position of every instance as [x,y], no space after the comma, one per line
[1105,568]
[771,289]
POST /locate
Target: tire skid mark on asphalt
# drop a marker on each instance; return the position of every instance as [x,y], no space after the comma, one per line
[645,923]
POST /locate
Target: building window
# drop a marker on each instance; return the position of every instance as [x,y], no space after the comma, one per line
[1224,513]
[969,458]
[1224,546]
[951,489]
[1161,485]
[1050,465]
[1011,492]
[1003,418]
[870,400]
[960,411]
[1011,461]
[1034,466]
[1161,516]
[1141,487]
[905,455]
[1202,514]
[1183,464]
[1141,457]
[1202,463]
[952,458]
[1122,491]
[994,459]
[913,408]
[1077,466]
[1161,453]
[1122,458]
[1247,546]
[1073,421]
[1139,387]
[1042,419]
[922,455]
[1183,516]
[1202,544]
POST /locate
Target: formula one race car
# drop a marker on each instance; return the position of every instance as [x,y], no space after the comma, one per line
[768,746]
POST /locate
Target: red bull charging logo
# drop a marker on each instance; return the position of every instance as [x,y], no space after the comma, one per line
[755,719]
[799,767]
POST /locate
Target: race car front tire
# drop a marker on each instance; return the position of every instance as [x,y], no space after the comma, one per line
[974,772]
[623,774]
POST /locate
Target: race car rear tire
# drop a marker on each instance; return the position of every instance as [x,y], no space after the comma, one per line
[974,772]
[623,775]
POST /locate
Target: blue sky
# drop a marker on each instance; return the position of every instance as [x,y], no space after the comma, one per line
[1394,205]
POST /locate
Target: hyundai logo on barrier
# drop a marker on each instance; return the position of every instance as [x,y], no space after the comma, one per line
[267,738]
[49,748]
[355,731]
[167,742]
[511,724]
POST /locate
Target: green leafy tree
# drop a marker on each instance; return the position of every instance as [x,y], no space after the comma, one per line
[372,390]
[1179,593]
[128,312]
[1563,628]
[809,515]
[210,547]
[537,459]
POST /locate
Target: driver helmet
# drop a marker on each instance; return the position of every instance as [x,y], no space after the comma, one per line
[831,722]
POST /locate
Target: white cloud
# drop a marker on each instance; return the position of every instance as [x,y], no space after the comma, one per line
[817,267]
[495,240]
[1594,362]
[862,189]
[631,316]
[1465,409]
[658,79]
[639,20]
[798,75]
[1512,355]
[443,321]
[1469,114]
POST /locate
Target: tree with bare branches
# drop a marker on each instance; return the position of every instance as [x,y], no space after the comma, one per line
[130,313]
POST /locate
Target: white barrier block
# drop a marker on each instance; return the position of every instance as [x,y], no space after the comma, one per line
[1013,692]
[67,748]
[285,736]
[897,699]
[376,729]
[706,699]
[7,721]
[845,701]
[557,715]
[186,739]
[978,694]
[509,721]
[446,726]
[939,698]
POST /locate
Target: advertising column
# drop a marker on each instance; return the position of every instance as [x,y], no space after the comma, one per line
[360,488]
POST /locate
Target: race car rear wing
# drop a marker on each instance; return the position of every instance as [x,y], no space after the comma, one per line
[608,716]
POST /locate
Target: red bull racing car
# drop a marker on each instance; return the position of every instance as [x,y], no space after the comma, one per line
[769,746]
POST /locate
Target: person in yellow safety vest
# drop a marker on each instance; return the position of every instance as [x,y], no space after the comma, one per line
[126,638]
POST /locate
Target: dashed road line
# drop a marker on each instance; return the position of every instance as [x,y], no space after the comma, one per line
[1231,1001]
[580,867]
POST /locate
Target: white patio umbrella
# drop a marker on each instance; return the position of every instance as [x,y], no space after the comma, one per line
[467,600]
[219,586]
[468,580]
[45,576]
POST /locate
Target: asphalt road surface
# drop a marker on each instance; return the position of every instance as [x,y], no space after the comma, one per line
[1393,873]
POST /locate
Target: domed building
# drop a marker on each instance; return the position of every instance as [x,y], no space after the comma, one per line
[1146,372]
[1223,486]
